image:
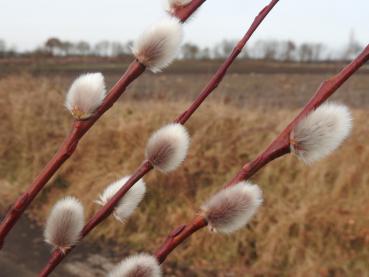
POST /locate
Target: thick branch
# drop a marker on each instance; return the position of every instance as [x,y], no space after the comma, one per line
[185,12]
[80,128]
[179,235]
[66,150]
[57,255]
[280,145]
[278,148]
[222,71]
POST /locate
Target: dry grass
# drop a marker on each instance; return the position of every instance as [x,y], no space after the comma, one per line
[314,221]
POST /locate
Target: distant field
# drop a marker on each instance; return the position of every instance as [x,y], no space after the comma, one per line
[314,221]
[74,65]
[249,83]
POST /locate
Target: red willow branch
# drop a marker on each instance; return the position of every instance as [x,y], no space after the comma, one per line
[80,128]
[222,71]
[58,255]
[279,147]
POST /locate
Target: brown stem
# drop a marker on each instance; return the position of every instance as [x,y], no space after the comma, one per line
[222,71]
[58,255]
[24,200]
[80,128]
[178,235]
[183,13]
[104,212]
[278,148]
[65,151]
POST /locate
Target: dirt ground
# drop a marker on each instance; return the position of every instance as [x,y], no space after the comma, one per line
[25,253]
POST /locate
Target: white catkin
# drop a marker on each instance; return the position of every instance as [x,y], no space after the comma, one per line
[158,46]
[233,207]
[172,5]
[321,132]
[167,148]
[142,265]
[64,223]
[130,200]
[85,95]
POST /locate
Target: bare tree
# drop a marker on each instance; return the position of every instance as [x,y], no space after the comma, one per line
[222,49]
[287,50]
[117,49]
[270,49]
[190,51]
[83,48]
[305,52]
[265,49]
[102,48]
[2,48]
[317,51]
[54,46]
[68,48]
[128,47]
[204,53]
[353,47]
[227,47]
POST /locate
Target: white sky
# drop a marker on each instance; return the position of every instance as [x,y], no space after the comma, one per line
[26,24]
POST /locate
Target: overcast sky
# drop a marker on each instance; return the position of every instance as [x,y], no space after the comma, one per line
[27,24]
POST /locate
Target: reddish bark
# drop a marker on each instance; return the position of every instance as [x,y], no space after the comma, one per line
[66,150]
[279,147]
[80,128]
[105,211]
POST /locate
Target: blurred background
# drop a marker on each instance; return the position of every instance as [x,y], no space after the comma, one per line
[314,221]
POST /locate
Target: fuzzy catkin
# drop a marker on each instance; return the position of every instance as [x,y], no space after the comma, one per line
[130,200]
[142,265]
[64,223]
[85,95]
[167,148]
[233,207]
[158,46]
[172,5]
[321,132]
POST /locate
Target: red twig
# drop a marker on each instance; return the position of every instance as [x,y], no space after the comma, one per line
[278,148]
[106,210]
[58,255]
[185,12]
[80,128]
[222,71]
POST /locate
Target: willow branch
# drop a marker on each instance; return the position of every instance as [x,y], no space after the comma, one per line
[185,12]
[80,128]
[279,147]
[222,71]
[58,255]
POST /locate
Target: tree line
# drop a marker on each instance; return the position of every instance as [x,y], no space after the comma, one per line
[281,50]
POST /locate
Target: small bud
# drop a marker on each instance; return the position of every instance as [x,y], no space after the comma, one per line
[130,200]
[167,148]
[321,132]
[232,208]
[85,95]
[64,223]
[141,265]
[173,5]
[158,46]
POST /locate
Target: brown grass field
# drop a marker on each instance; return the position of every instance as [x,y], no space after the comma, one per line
[314,221]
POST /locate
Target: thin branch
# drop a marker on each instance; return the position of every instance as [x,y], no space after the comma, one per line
[280,145]
[222,71]
[58,255]
[80,128]
[185,12]
[278,148]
